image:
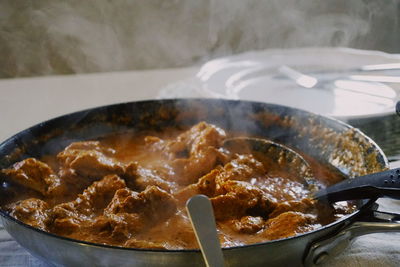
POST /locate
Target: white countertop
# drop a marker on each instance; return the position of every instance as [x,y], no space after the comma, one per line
[27,101]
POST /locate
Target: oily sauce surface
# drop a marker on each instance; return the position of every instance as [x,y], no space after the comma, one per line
[130,190]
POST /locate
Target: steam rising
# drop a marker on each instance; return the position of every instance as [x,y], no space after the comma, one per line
[56,37]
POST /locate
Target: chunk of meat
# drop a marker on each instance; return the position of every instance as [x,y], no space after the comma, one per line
[237,199]
[89,159]
[231,193]
[248,224]
[288,224]
[117,227]
[31,211]
[206,186]
[240,168]
[305,205]
[194,152]
[69,216]
[130,212]
[139,178]
[200,136]
[154,203]
[36,175]
[174,233]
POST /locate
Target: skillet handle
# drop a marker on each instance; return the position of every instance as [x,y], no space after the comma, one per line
[371,222]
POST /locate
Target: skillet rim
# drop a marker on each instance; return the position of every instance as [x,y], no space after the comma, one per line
[347,219]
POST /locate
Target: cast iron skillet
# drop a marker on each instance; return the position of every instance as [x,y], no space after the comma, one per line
[317,136]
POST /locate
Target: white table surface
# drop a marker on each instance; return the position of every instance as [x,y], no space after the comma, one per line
[27,101]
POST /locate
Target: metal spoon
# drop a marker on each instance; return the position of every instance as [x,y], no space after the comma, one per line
[202,218]
[277,156]
[380,184]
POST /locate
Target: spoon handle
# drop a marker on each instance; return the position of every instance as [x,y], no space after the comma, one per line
[202,218]
[380,184]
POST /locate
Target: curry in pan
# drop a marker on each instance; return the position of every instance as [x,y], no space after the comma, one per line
[130,189]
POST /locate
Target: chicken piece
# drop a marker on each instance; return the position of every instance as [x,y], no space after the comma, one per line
[194,152]
[130,212]
[248,224]
[31,211]
[197,138]
[206,186]
[288,224]
[118,227]
[305,205]
[89,159]
[241,168]
[174,233]
[35,175]
[138,178]
[70,216]
[236,199]
[155,203]
[147,177]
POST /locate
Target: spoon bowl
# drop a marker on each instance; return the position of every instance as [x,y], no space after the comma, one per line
[275,157]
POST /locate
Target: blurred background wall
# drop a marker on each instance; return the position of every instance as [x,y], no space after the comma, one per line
[45,37]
